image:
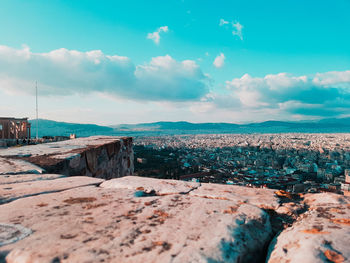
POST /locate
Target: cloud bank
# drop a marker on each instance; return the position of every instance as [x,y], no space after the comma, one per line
[65,72]
[324,94]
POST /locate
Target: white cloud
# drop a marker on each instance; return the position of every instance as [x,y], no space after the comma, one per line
[237,29]
[219,61]
[67,72]
[332,77]
[223,22]
[155,36]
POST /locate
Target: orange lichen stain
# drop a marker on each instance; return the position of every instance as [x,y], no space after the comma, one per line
[130,213]
[336,210]
[158,243]
[159,216]
[282,193]
[161,213]
[231,210]
[333,256]
[42,204]
[79,200]
[88,220]
[165,245]
[314,231]
[213,197]
[140,188]
[148,203]
[91,206]
[344,221]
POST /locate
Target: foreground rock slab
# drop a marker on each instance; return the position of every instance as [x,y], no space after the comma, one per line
[136,219]
[322,234]
[113,224]
[10,192]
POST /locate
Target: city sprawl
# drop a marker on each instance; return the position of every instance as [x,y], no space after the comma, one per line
[293,162]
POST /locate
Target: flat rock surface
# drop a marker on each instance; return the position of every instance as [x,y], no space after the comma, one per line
[322,234]
[95,224]
[15,166]
[264,198]
[20,178]
[151,185]
[9,192]
[58,150]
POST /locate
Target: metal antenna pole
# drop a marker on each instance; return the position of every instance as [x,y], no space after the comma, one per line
[37,120]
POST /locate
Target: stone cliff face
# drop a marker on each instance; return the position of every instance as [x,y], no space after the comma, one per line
[54,218]
[98,156]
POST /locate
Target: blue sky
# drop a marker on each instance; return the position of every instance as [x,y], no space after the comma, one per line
[271,59]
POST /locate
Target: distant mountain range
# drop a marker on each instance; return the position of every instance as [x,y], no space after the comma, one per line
[324,125]
[53,128]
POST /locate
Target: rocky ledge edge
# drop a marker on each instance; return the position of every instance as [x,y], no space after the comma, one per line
[136,219]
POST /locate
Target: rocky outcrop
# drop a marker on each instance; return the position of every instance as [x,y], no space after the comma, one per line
[98,156]
[321,234]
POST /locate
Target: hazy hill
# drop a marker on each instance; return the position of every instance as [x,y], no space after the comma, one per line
[179,125]
[53,128]
[325,125]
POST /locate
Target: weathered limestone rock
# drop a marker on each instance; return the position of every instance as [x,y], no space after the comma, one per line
[10,192]
[20,178]
[99,156]
[15,166]
[12,233]
[322,234]
[149,186]
[93,224]
[263,198]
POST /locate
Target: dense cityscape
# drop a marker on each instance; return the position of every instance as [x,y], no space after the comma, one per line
[293,162]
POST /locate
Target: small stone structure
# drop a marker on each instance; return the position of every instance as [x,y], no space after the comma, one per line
[13,128]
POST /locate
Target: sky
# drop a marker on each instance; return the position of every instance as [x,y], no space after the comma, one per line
[112,62]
